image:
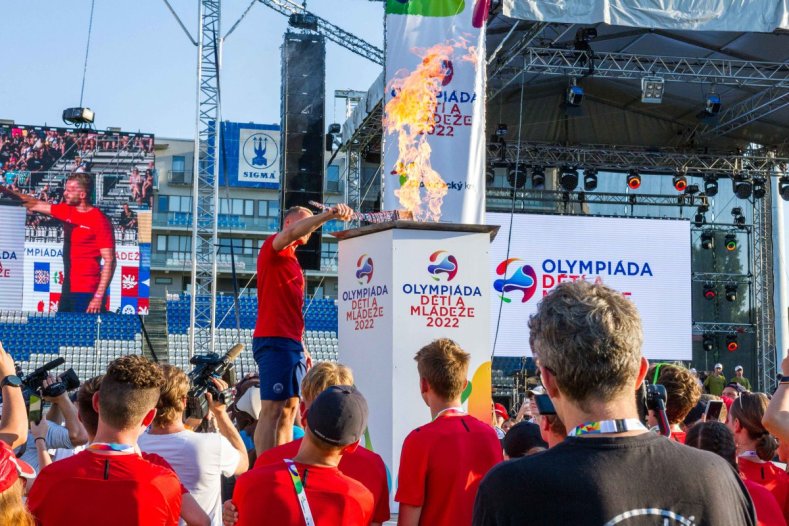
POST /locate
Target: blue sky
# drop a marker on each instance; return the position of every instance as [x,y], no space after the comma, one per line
[141,69]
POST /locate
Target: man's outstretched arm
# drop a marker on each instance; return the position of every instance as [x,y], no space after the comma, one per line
[35,205]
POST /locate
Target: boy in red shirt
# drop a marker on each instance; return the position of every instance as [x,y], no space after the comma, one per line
[443,462]
[109,483]
[360,464]
[310,488]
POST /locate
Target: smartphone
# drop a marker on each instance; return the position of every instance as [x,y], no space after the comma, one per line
[544,404]
[712,412]
[34,414]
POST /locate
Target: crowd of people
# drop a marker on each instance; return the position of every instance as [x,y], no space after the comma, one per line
[606,438]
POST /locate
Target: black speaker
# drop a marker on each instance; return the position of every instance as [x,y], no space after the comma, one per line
[303,130]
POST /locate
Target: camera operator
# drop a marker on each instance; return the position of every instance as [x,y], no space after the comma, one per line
[66,436]
[199,459]
[13,421]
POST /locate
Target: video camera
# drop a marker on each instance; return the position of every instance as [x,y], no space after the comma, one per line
[34,382]
[653,397]
[208,367]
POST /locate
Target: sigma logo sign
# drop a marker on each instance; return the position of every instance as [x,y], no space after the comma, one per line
[260,152]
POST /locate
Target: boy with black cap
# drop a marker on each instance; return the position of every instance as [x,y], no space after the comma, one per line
[310,488]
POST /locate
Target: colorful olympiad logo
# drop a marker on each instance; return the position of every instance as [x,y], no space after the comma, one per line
[364,268]
[448,265]
[524,279]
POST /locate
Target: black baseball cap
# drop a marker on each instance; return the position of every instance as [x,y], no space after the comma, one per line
[338,415]
[522,437]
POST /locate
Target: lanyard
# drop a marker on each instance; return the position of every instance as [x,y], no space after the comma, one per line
[458,410]
[111,447]
[608,426]
[752,456]
[300,493]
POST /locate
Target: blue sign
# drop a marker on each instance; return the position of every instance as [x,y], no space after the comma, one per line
[251,155]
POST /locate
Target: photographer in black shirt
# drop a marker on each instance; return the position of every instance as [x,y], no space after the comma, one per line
[610,470]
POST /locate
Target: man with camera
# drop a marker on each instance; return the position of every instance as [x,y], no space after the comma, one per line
[55,436]
[277,340]
[610,469]
[199,459]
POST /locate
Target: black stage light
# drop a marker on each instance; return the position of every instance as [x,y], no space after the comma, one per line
[731,292]
[590,179]
[708,343]
[490,175]
[699,220]
[79,116]
[516,175]
[707,240]
[783,187]
[759,188]
[711,185]
[633,179]
[742,185]
[731,343]
[680,182]
[568,178]
[731,242]
[538,178]
[709,291]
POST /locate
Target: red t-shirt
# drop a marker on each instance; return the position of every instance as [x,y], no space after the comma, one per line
[441,466]
[266,495]
[768,513]
[771,477]
[362,465]
[153,458]
[678,436]
[280,293]
[93,489]
[86,233]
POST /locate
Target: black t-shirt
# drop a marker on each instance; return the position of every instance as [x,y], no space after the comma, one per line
[645,480]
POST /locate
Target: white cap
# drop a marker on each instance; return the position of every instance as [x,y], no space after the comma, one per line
[738,368]
[718,366]
[250,402]
[693,370]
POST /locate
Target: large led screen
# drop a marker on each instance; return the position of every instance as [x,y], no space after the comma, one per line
[647,260]
[56,260]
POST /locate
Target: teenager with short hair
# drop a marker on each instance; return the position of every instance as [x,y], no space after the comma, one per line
[443,462]
[682,395]
[310,488]
[587,341]
[109,482]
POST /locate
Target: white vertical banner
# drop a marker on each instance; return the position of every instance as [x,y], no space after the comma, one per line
[12,256]
[452,143]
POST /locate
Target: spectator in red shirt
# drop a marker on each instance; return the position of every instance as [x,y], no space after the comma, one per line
[683,393]
[277,340]
[310,488]
[88,239]
[360,464]
[442,463]
[110,483]
[716,437]
[756,447]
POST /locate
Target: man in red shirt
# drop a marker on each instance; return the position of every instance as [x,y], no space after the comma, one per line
[443,462]
[360,464]
[277,340]
[88,239]
[109,482]
[310,488]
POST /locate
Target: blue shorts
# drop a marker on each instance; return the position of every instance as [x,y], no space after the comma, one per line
[282,365]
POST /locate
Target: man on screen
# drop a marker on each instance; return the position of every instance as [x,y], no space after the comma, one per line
[88,239]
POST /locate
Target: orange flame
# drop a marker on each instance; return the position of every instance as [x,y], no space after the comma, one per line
[411,116]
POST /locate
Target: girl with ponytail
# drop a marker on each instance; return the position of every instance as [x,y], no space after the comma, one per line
[756,447]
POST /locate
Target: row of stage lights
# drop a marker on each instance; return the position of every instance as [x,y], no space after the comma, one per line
[708,343]
[743,185]
[710,291]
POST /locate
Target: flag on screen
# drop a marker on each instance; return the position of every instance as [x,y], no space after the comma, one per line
[130,282]
[41,277]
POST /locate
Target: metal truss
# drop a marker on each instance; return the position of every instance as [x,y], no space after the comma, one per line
[334,33]
[205,188]
[747,111]
[353,161]
[762,290]
[712,327]
[721,277]
[569,62]
[654,160]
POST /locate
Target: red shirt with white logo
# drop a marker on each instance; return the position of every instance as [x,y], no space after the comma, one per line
[362,465]
[92,489]
[266,495]
[86,233]
[280,293]
[442,465]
